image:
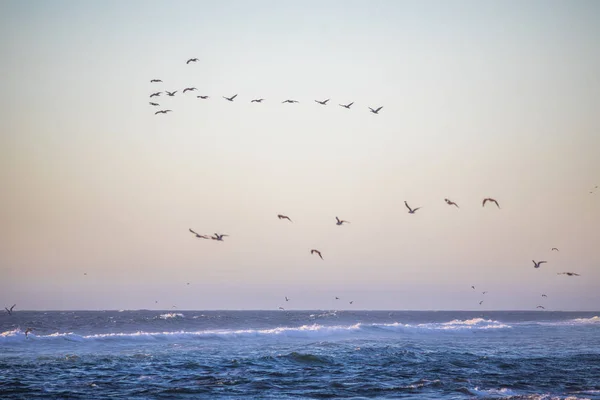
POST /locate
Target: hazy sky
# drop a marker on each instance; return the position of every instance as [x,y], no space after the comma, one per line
[480,99]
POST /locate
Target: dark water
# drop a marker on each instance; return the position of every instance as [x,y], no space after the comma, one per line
[300,354]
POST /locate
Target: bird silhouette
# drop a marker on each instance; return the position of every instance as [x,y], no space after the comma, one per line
[230,98]
[313,251]
[281,216]
[170,93]
[154,104]
[10,310]
[375,111]
[156,94]
[155,80]
[451,203]
[203,97]
[290,101]
[199,236]
[163,112]
[346,105]
[323,103]
[256,101]
[410,210]
[340,221]
[189,89]
[537,264]
[191,60]
[490,200]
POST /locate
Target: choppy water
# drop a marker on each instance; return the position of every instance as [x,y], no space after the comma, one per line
[300,354]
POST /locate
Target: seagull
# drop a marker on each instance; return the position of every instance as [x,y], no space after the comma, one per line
[280,216]
[191,60]
[568,273]
[554,249]
[163,112]
[480,302]
[155,94]
[27,331]
[155,80]
[346,105]
[340,221]
[154,104]
[352,302]
[489,199]
[451,203]
[170,93]
[542,307]
[199,236]
[203,97]
[337,298]
[218,237]
[375,111]
[10,311]
[484,292]
[256,101]
[323,103]
[316,251]
[286,298]
[473,287]
[281,308]
[290,101]
[230,98]
[537,264]
[544,295]
[189,89]
[410,210]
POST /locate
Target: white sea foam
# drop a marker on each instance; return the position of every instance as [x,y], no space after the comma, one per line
[171,315]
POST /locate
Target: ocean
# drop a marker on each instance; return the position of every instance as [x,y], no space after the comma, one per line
[146,354]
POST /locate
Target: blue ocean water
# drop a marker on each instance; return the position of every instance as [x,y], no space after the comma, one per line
[300,354]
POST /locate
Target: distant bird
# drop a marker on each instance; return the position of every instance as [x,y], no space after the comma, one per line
[10,310]
[188,283]
[352,302]
[170,93]
[481,302]
[85,273]
[281,308]
[490,200]
[313,251]
[286,298]
[27,332]
[410,210]
[484,292]
[218,237]
[230,98]
[537,264]
[290,101]
[543,295]
[346,105]
[337,298]
[473,287]
[155,80]
[156,94]
[568,273]
[554,249]
[451,203]
[375,111]
[163,112]
[542,307]
[256,101]
[340,221]
[154,104]
[191,60]
[323,103]
[199,236]
[203,97]
[189,89]
[281,216]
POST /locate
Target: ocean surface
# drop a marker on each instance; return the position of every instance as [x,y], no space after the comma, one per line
[300,354]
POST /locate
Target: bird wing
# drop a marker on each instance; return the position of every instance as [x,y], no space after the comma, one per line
[193,231]
[371,109]
[483,204]
[350,104]
[378,109]
[13,306]
[498,205]
[418,208]
[234,96]
[407,206]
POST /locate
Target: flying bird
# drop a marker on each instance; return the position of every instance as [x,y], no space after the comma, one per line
[286,298]
[340,221]
[163,112]
[154,104]
[313,251]
[281,308]
[10,310]
[473,287]
[352,302]
[323,103]
[375,111]
[542,307]
[481,302]
[451,203]
[218,237]
[484,292]
[281,216]
[543,295]
[290,101]
[230,98]
[27,332]
[346,105]
[170,93]
[490,200]
[199,236]
[337,298]
[568,273]
[537,264]
[156,94]
[256,101]
[191,60]
[189,89]
[155,80]
[410,210]
[202,97]
[554,249]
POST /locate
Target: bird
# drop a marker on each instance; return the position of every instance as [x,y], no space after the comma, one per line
[155,80]
[218,237]
[375,111]
[491,200]
[281,308]
[340,221]
[290,101]
[480,302]
[162,111]
[191,60]
[187,283]
[27,332]
[286,298]
[554,249]
[189,89]
[85,273]
[337,298]
[154,104]
[281,216]
[542,307]
[451,203]
[199,236]
[568,273]
[10,310]
[537,264]
[346,105]
[230,98]
[170,93]
[410,210]
[543,295]
[351,302]
[313,251]
[156,94]
[256,101]
[203,97]
[323,103]
[484,292]
[473,287]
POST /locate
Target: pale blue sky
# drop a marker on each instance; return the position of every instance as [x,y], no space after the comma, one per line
[480,99]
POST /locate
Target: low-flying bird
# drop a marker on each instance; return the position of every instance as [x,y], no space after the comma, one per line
[162,111]
[352,302]
[484,292]
[537,264]
[313,251]
[543,295]
[286,298]
[218,237]
[290,101]
[191,60]
[10,310]
[490,200]
[568,273]
[481,302]
[281,308]
[281,216]
[473,287]
[340,221]
[554,249]
[346,105]
[170,93]
[189,89]
[375,111]
[337,298]
[256,101]
[27,332]
[451,203]
[230,98]
[410,210]
[542,307]
[156,94]
[323,103]
[154,104]
[199,236]
[203,97]
[155,80]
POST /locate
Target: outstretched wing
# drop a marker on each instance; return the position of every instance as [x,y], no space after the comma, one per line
[13,306]
[191,230]
[234,96]
[378,109]
[407,206]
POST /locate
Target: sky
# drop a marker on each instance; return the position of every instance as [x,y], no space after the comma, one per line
[480,99]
